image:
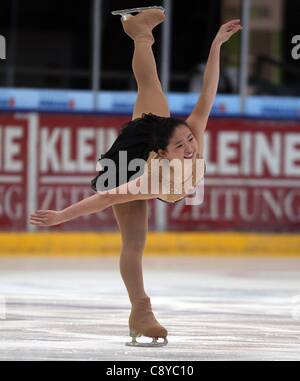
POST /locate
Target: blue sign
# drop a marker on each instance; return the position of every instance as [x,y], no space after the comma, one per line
[123,102]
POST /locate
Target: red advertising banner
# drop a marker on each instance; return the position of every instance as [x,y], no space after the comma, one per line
[68,149]
[14,154]
[63,151]
[252,179]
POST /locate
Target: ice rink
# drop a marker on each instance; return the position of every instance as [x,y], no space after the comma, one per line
[214,308]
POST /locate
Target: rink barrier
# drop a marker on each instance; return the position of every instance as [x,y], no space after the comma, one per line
[160,244]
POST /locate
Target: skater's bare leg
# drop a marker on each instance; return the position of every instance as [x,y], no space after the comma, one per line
[150,97]
[132,219]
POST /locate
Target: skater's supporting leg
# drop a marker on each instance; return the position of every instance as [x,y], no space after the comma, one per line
[132,219]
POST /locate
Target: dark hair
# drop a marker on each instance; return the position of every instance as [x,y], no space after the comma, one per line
[139,137]
[143,135]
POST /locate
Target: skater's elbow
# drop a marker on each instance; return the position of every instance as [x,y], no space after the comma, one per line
[107,198]
[104,199]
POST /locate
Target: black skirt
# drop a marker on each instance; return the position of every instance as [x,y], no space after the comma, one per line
[122,174]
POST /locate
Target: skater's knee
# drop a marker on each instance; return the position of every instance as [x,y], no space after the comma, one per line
[135,246]
[150,84]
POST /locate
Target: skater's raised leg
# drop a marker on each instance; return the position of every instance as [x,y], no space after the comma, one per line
[150,96]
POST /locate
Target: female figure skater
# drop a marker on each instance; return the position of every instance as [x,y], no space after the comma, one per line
[151,133]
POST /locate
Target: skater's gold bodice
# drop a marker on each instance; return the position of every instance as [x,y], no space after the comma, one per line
[174,188]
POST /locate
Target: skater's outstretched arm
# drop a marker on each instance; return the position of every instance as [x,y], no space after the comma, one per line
[199,116]
[89,205]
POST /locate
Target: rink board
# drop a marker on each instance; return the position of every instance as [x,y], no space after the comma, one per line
[171,244]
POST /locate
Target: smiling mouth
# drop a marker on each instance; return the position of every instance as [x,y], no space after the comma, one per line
[189,156]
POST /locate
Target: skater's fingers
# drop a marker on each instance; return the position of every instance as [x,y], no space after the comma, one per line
[232,22]
[36,214]
[36,223]
[233,27]
[37,218]
[230,32]
[234,30]
[230,25]
[42,212]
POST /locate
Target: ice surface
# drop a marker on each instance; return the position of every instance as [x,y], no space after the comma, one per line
[214,308]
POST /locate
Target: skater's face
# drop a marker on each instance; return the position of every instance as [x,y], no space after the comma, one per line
[182,145]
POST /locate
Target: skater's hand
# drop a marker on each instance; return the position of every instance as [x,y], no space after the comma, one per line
[227,30]
[46,218]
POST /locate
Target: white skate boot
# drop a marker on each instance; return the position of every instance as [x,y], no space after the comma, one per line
[142,322]
[140,27]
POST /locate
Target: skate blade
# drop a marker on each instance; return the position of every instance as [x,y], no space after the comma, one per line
[124,12]
[155,343]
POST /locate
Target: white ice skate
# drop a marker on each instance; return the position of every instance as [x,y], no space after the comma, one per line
[126,13]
